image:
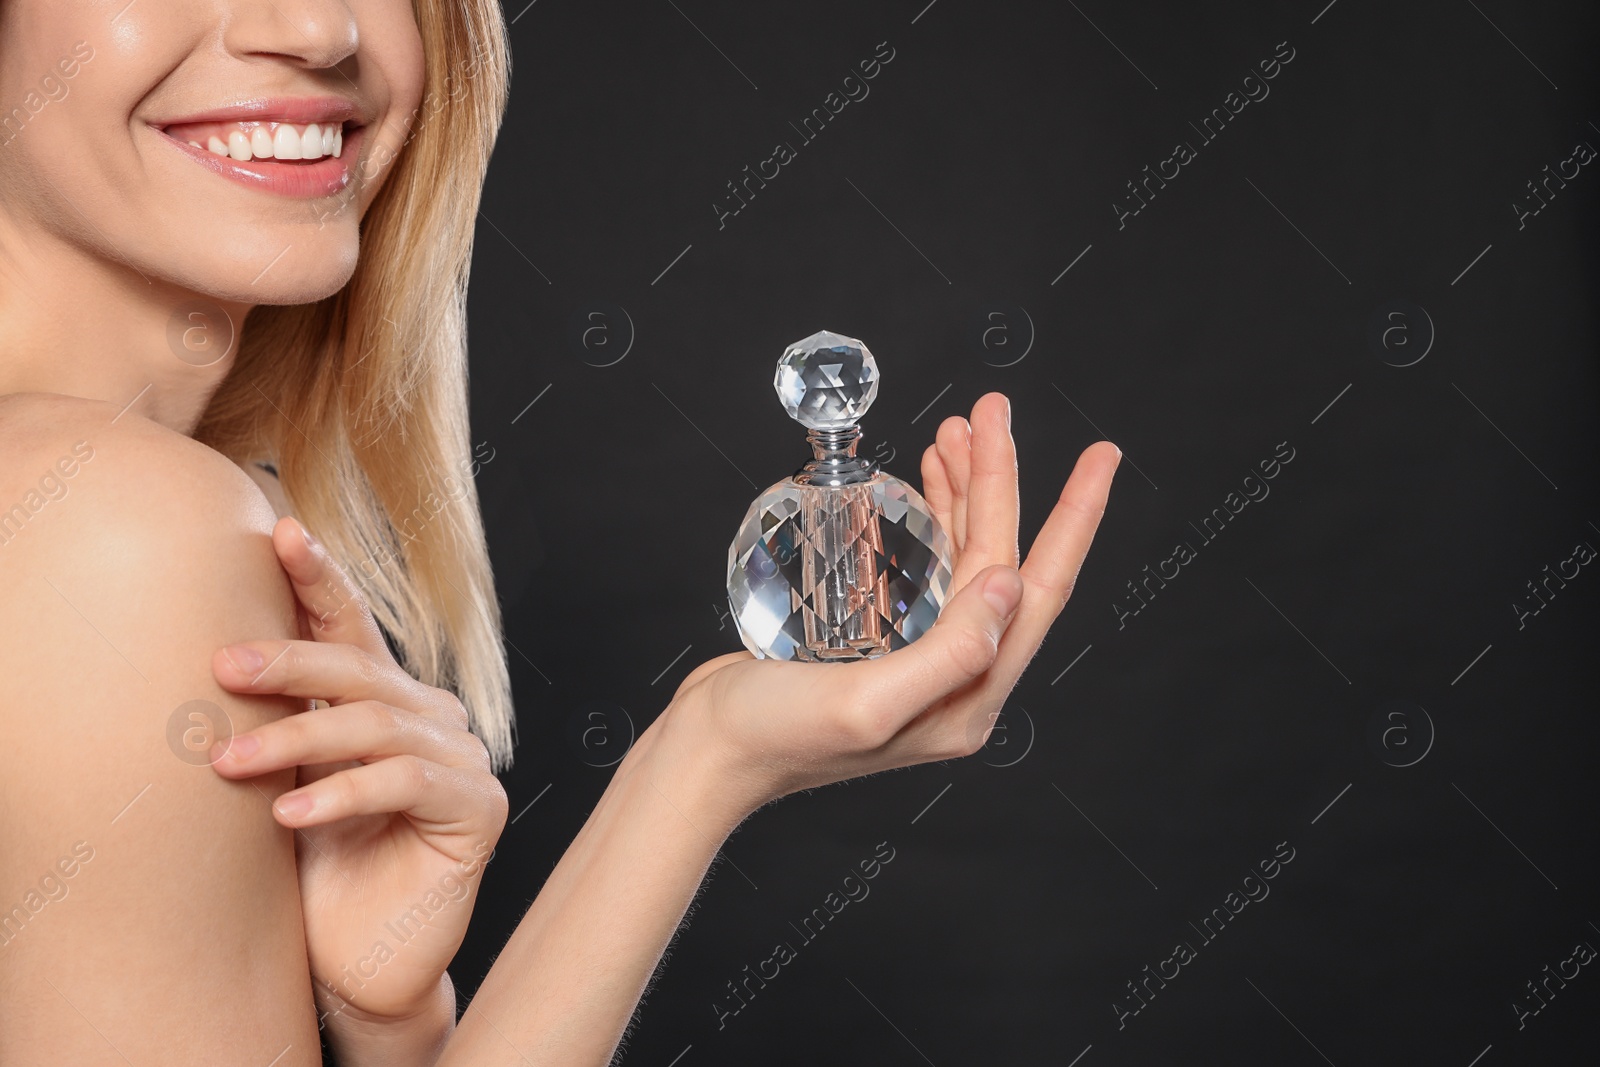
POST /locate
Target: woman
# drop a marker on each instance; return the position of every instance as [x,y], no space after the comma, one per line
[230,816]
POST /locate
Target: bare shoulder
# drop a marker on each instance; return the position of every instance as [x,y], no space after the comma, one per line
[129,534]
[51,445]
[140,883]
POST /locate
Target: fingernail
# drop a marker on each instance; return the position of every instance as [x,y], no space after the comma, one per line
[294,805]
[1008,413]
[244,659]
[1003,591]
[243,747]
[311,542]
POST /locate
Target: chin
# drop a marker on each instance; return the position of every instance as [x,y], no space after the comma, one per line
[294,268]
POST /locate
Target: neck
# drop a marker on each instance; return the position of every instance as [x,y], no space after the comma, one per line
[76,324]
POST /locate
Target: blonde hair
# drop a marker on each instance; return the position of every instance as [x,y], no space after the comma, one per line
[361,398]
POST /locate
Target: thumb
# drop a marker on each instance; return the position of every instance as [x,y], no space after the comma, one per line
[959,648]
[708,668]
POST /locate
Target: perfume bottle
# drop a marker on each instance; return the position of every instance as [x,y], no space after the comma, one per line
[840,561]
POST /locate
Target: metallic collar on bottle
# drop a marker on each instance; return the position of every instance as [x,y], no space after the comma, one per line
[834,459]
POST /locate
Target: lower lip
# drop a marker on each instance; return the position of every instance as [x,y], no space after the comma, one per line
[297,181]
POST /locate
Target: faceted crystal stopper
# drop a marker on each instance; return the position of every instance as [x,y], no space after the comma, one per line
[827,381]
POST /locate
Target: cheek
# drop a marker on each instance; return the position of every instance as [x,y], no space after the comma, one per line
[392,46]
[405,63]
[67,87]
[33,35]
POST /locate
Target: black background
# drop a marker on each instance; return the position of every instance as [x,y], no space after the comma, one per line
[1234,712]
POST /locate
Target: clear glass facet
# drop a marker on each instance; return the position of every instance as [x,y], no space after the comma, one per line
[822,573]
[827,381]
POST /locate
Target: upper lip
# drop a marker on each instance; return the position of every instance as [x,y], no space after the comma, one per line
[295,110]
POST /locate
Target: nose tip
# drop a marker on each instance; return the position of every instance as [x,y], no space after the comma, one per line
[314,33]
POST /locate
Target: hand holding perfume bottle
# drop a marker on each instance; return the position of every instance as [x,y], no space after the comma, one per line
[961,618]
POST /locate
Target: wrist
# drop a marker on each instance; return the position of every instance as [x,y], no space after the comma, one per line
[685,758]
[414,1039]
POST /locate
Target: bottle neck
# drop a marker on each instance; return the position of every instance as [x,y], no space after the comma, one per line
[834,460]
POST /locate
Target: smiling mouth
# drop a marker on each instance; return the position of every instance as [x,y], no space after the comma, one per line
[251,141]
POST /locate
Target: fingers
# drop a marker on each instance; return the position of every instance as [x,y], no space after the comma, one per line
[936,486]
[426,792]
[991,524]
[366,731]
[1051,569]
[894,689]
[954,442]
[338,674]
[954,650]
[1063,542]
[337,610]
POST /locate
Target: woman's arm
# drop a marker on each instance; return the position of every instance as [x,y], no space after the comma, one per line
[669,806]
[400,812]
[737,734]
[568,981]
[150,909]
[566,984]
[742,732]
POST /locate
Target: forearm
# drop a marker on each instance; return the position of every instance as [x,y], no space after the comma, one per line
[569,979]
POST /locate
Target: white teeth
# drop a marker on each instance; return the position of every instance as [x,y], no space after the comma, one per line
[286,143]
[271,140]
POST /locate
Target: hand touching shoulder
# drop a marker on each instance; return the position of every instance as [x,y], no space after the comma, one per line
[149,909]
